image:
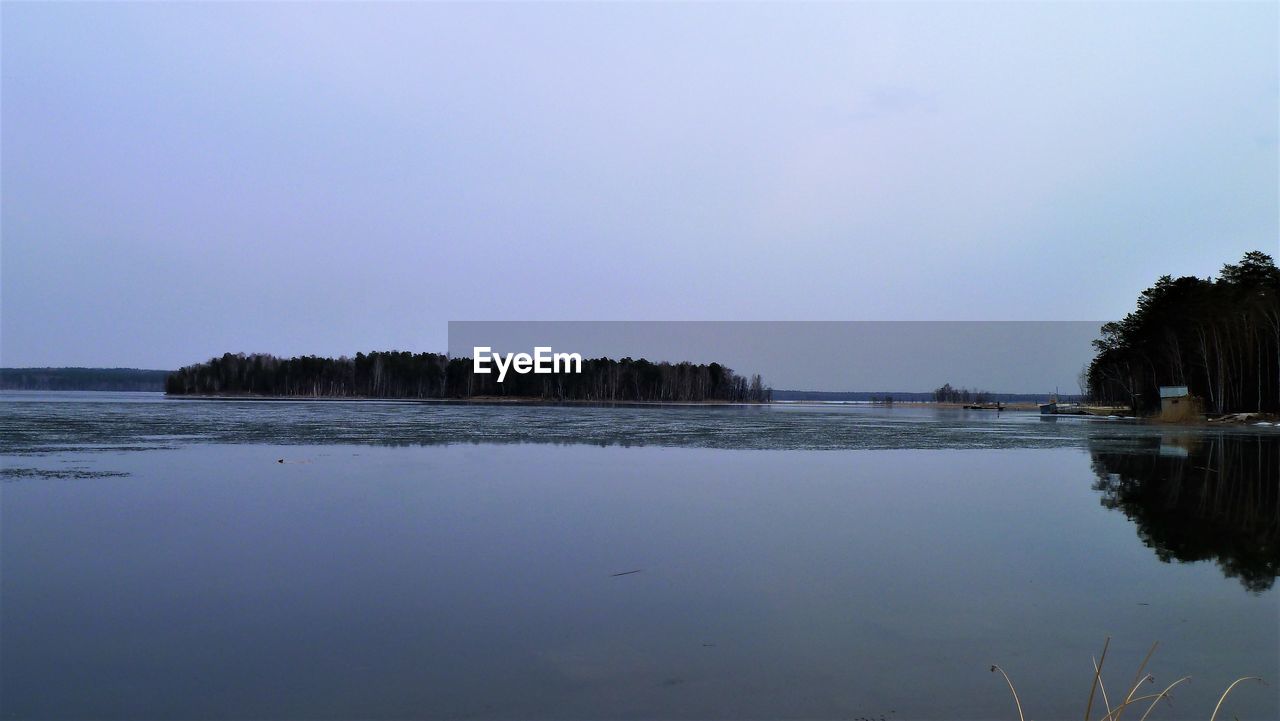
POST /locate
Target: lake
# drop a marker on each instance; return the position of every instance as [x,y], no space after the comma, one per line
[426,560]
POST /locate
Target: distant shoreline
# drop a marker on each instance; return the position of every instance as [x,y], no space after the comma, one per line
[477,400]
[78,378]
[1225,421]
[535,401]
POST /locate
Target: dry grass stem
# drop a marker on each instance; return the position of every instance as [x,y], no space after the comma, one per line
[1012,690]
[1233,685]
[1114,714]
[1097,673]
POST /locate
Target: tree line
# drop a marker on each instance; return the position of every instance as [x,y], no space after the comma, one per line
[400,374]
[1220,337]
[947,394]
[82,379]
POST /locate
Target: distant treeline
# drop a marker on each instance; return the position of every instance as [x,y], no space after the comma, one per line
[911,396]
[947,394]
[81,379]
[1220,338]
[397,374]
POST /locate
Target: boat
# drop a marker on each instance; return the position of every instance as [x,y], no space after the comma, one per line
[984,407]
[1050,408]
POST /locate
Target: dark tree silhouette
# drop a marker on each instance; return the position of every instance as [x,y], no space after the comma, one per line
[1219,337]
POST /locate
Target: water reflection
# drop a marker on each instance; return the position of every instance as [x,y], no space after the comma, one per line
[1199,497]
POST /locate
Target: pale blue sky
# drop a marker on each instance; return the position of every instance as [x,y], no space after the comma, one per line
[181,180]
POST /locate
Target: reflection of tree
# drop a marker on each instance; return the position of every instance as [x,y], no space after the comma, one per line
[1198,498]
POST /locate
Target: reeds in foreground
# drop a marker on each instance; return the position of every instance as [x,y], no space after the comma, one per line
[1097,689]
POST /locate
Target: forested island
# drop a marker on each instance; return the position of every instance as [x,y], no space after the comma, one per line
[82,379]
[400,374]
[1219,337]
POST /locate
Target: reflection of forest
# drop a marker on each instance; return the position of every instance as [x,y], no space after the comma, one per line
[1196,498]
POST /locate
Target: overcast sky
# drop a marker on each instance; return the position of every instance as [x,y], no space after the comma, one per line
[181,180]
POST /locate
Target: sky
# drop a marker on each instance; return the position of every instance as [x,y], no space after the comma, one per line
[181,180]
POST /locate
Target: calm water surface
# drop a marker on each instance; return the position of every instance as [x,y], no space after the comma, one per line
[415,560]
